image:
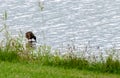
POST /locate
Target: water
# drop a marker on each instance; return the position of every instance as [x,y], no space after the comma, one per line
[65,21]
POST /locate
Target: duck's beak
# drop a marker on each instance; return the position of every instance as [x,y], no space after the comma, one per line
[35,38]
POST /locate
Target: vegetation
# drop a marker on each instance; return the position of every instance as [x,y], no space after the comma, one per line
[33,70]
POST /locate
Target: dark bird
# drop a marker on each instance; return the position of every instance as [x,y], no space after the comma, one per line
[29,35]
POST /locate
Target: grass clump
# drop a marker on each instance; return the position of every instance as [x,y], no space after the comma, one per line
[111,66]
[8,56]
[9,50]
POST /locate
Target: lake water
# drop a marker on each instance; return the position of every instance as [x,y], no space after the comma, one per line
[62,22]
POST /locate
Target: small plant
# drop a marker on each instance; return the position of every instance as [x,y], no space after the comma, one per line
[41,5]
[5,15]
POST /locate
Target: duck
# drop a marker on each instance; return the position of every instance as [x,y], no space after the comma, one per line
[29,35]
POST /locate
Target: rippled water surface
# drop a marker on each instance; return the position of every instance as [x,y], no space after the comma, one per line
[65,21]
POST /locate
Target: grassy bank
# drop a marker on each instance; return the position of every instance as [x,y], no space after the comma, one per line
[31,70]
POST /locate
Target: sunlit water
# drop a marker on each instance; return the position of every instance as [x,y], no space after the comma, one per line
[63,22]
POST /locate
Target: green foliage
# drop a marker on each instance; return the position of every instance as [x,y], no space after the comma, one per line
[8,56]
[111,66]
[34,70]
